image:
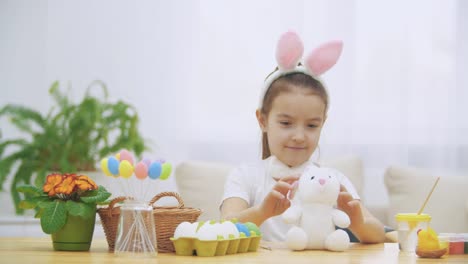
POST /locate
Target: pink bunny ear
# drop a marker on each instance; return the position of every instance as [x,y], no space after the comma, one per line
[289,51]
[324,57]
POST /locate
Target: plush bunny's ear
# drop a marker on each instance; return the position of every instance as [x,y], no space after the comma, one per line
[323,57]
[289,51]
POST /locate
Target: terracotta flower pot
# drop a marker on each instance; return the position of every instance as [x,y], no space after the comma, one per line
[76,235]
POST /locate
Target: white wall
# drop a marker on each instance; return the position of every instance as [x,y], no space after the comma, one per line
[193,70]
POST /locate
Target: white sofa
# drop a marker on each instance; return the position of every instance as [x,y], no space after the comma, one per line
[201,183]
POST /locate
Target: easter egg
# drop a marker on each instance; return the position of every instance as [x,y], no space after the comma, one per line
[207,232]
[166,171]
[229,230]
[125,169]
[147,162]
[154,170]
[141,170]
[185,229]
[242,229]
[253,228]
[113,165]
[105,168]
[126,155]
[117,156]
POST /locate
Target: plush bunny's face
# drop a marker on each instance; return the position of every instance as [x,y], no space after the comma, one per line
[318,185]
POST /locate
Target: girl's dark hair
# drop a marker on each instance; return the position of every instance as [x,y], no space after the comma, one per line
[287,83]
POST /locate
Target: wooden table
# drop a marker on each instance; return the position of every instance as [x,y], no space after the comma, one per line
[39,250]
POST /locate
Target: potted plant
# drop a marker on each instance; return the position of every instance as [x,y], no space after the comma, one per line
[66,205]
[71,137]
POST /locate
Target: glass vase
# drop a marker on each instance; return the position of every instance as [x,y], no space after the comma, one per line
[136,234]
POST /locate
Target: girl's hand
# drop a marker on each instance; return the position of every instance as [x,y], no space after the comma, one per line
[364,225]
[278,199]
[350,206]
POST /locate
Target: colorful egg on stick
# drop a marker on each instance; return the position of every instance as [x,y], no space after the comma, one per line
[105,168]
[125,169]
[141,170]
[147,162]
[126,155]
[113,165]
[166,171]
[154,171]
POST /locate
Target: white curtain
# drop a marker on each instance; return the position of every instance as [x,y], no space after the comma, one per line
[193,69]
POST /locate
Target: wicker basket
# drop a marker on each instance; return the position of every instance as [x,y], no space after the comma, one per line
[167,218]
[110,220]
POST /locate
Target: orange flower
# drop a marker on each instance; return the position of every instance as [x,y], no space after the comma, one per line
[52,181]
[67,185]
[84,183]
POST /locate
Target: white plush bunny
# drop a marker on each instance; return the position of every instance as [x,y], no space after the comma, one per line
[313,214]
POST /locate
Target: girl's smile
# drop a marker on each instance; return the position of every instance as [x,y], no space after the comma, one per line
[296,148]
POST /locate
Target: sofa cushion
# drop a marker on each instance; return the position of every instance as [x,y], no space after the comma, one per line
[201,183]
[408,188]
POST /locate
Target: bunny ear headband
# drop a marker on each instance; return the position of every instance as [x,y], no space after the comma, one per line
[289,51]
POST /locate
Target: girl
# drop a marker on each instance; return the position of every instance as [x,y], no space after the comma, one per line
[292,112]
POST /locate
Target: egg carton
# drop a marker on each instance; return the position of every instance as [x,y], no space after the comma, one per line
[209,248]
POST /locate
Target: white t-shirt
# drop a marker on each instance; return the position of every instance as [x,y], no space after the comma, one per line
[252,182]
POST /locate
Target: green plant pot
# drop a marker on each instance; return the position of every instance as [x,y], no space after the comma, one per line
[76,235]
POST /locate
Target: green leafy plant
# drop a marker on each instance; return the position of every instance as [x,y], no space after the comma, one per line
[63,195]
[70,137]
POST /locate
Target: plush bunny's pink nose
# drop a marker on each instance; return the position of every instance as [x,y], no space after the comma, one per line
[322,181]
